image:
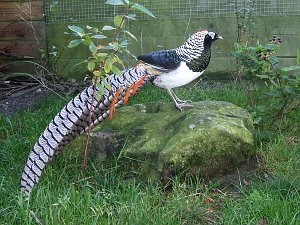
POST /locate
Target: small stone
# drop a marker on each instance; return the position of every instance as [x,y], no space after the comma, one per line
[192,126]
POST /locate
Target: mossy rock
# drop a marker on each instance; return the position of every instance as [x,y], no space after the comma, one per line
[157,140]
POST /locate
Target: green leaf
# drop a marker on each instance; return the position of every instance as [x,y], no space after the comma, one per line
[116,70]
[118,60]
[77,30]
[273,60]
[273,82]
[290,68]
[74,43]
[100,91]
[298,56]
[97,73]
[91,66]
[130,34]
[98,36]
[107,68]
[118,20]
[124,43]
[126,1]
[115,46]
[109,47]
[108,64]
[93,48]
[131,16]
[108,28]
[87,41]
[142,9]
[262,76]
[106,85]
[115,2]
[237,47]
[102,55]
[130,54]
[237,54]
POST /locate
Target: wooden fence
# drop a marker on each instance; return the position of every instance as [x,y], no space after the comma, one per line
[22,33]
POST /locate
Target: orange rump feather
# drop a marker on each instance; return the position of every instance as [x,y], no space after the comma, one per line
[127,94]
[138,84]
[112,108]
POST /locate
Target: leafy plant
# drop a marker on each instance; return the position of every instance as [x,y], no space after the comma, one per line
[106,50]
[283,83]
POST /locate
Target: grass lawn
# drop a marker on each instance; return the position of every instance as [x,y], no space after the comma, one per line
[269,195]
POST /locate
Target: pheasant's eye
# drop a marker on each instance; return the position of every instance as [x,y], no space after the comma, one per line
[212,35]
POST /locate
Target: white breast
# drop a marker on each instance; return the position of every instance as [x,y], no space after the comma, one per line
[177,78]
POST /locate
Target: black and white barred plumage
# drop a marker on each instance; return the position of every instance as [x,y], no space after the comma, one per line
[167,69]
[72,120]
[184,64]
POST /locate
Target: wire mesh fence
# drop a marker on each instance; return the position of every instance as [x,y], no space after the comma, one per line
[95,10]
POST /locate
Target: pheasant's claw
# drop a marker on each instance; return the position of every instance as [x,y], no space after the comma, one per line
[184,101]
[180,106]
[178,102]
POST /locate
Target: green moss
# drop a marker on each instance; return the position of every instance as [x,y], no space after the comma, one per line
[209,138]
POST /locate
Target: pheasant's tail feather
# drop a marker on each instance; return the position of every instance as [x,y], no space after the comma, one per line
[112,108]
[72,120]
[63,128]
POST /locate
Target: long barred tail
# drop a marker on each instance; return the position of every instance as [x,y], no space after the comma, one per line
[72,120]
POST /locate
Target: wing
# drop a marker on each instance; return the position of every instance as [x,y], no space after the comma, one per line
[165,59]
[73,119]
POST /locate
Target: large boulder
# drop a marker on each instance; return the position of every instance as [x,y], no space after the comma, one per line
[157,140]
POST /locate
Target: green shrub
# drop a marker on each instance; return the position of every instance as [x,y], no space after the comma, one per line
[282,84]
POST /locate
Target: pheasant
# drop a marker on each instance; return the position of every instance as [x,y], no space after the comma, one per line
[182,65]
[167,69]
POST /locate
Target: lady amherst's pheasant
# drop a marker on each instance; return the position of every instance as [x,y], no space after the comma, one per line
[167,69]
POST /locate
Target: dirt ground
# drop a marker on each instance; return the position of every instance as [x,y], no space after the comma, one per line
[13,103]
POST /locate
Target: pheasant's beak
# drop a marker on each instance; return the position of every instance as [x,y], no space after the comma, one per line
[219,37]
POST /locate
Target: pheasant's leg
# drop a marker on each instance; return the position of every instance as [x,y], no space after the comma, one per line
[179,105]
[178,99]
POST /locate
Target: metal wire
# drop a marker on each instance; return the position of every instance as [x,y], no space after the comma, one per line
[66,11]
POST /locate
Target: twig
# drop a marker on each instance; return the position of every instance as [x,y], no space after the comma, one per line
[43,84]
[95,78]
[30,62]
[89,128]
[189,21]
[19,88]
[29,22]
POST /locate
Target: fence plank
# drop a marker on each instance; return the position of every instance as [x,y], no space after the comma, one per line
[12,11]
[11,66]
[21,30]
[15,49]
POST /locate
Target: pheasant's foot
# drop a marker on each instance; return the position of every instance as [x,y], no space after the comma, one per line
[178,102]
[183,101]
[175,98]
[180,106]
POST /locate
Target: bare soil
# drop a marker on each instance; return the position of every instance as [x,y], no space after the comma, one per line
[11,103]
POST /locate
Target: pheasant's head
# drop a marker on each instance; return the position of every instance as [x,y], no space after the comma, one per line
[196,51]
[206,36]
[197,44]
